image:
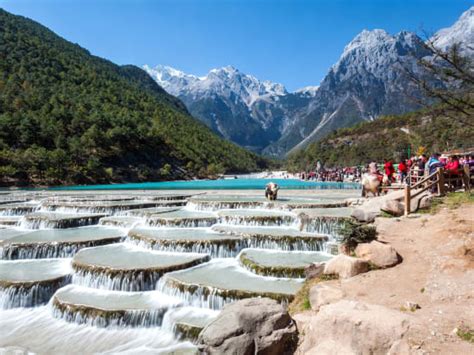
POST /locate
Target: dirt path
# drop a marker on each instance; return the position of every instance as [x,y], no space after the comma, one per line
[437,273]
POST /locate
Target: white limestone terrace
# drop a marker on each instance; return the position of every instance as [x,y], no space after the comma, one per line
[221,281]
[55,243]
[196,240]
[111,308]
[166,269]
[28,283]
[21,272]
[126,267]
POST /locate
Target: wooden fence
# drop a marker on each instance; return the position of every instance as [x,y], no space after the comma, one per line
[440,181]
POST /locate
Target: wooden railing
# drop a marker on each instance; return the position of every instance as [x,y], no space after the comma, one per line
[441,180]
[421,186]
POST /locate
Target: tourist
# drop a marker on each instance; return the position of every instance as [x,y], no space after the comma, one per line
[454,172]
[421,165]
[434,163]
[402,171]
[389,170]
[453,165]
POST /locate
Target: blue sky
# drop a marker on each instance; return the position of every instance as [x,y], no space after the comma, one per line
[293,42]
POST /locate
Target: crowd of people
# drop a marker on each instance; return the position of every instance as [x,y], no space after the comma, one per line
[417,165]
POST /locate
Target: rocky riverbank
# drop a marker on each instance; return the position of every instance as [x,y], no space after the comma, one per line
[423,305]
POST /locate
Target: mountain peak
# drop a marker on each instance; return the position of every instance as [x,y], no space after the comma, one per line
[462,33]
[367,39]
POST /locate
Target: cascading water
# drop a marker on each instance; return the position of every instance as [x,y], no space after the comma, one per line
[36,329]
[181,223]
[120,281]
[307,244]
[226,249]
[86,325]
[322,225]
[201,297]
[43,250]
[42,222]
[30,296]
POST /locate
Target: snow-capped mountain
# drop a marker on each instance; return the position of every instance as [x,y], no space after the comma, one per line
[368,80]
[236,105]
[462,33]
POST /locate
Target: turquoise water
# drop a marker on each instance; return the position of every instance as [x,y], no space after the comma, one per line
[227,184]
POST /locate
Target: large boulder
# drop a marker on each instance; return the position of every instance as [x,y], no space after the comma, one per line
[314,270]
[250,326]
[345,266]
[379,254]
[393,207]
[322,294]
[350,327]
[364,215]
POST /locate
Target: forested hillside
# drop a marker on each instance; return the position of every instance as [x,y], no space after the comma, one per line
[388,137]
[69,117]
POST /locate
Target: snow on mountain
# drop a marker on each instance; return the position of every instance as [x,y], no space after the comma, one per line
[309,91]
[240,107]
[462,33]
[366,82]
[224,81]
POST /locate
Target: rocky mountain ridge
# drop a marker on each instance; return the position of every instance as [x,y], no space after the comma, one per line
[369,80]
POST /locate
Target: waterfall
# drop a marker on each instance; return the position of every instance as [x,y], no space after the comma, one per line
[121,318]
[49,250]
[226,249]
[181,222]
[200,296]
[30,296]
[40,222]
[322,225]
[130,281]
[287,244]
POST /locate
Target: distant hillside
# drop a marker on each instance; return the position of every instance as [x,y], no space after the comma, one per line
[387,137]
[69,117]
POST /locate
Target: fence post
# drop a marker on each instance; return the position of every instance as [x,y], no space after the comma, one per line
[440,181]
[467,178]
[407,200]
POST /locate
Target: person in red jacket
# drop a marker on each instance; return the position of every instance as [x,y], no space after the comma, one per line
[402,170]
[452,167]
[389,169]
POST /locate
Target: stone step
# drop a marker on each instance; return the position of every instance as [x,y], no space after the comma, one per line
[28,283]
[221,281]
[125,267]
[103,308]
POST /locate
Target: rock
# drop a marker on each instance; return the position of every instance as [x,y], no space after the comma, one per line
[379,254]
[314,270]
[412,306]
[250,326]
[345,266]
[350,327]
[364,215]
[393,207]
[322,294]
[344,249]
[425,202]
